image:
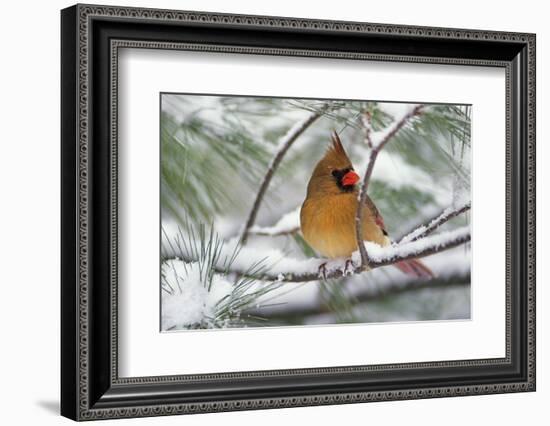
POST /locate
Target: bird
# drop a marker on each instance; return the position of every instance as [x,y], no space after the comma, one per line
[327,215]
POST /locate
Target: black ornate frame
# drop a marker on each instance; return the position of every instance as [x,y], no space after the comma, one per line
[91,37]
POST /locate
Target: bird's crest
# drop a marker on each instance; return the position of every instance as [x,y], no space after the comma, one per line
[336,154]
[337,143]
[323,178]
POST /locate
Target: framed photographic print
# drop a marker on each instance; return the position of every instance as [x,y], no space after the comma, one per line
[263,212]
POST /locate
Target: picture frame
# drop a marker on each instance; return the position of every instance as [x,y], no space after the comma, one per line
[91,37]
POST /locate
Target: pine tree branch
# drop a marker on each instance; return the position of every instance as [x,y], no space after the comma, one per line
[377,146]
[284,144]
[379,257]
[446,215]
[295,270]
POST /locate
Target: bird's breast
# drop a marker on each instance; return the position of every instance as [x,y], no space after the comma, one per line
[328,225]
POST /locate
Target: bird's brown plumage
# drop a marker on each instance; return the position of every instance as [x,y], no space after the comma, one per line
[328,213]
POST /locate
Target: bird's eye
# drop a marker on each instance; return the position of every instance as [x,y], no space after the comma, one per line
[336,173]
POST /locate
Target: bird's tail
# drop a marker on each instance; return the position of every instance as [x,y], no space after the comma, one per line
[415,268]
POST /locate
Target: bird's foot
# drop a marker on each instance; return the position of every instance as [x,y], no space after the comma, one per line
[323,270]
[349,268]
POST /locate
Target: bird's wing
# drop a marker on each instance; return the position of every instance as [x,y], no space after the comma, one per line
[377,216]
[412,267]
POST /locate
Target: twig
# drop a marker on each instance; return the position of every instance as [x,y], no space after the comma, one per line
[376,148]
[446,215]
[366,119]
[266,232]
[286,141]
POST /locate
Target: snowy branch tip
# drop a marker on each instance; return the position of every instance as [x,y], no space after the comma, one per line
[444,216]
[288,224]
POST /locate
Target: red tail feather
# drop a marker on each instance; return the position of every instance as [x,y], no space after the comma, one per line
[414,267]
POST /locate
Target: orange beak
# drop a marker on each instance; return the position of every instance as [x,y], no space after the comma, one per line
[350,178]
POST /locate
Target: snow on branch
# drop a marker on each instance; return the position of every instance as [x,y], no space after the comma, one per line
[381,256]
[285,269]
[284,144]
[377,141]
[308,270]
[444,216]
[287,225]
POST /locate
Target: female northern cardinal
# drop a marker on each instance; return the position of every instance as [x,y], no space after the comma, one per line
[327,216]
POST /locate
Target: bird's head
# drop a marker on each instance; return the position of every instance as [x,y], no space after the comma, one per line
[334,173]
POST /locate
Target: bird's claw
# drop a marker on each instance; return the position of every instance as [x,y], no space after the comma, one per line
[323,271]
[349,267]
